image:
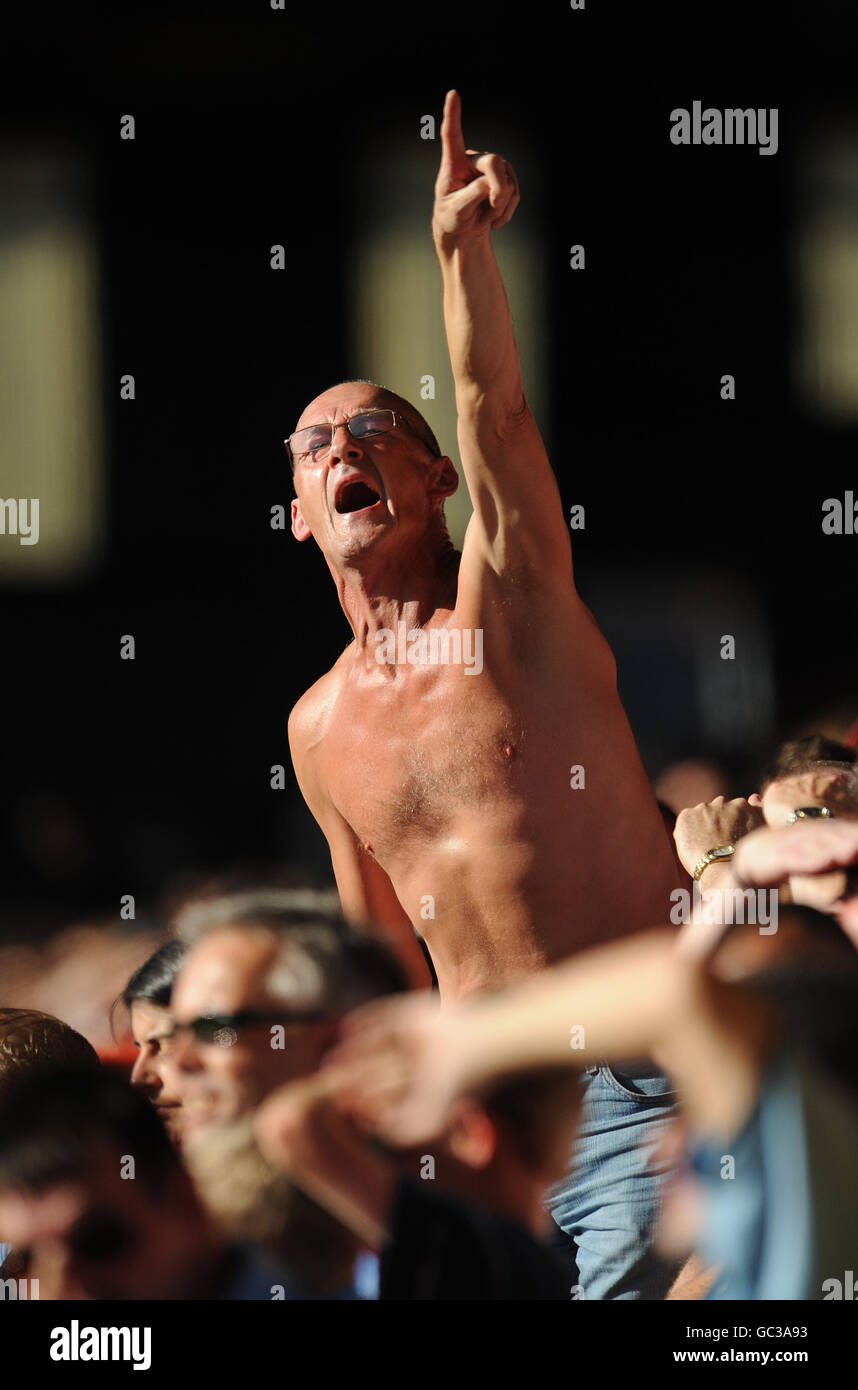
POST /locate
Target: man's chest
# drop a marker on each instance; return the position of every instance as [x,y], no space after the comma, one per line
[403,762]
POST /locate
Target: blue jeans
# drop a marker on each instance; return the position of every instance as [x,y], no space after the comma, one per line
[608,1202]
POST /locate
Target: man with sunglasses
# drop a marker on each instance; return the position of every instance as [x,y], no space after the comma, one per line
[257,1003]
[503,815]
[258,999]
[236,1039]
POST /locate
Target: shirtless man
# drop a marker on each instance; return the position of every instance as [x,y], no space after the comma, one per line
[433,780]
[445,794]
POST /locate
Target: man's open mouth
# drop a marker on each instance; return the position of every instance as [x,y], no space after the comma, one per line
[353,497]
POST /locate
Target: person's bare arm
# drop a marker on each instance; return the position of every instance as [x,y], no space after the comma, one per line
[634,998]
[367,895]
[518,521]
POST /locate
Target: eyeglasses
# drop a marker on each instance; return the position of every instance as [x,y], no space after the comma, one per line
[315,440]
[222,1030]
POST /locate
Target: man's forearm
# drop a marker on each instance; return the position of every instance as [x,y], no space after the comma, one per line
[630,999]
[480,339]
[617,1000]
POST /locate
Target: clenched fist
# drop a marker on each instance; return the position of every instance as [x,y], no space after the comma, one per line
[474,193]
[719,822]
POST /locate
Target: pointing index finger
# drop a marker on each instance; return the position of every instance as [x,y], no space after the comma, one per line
[452,141]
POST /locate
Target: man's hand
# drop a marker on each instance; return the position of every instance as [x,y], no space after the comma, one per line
[713,823]
[518,528]
[825,786]
[811,847]
[474,193]
[402,1061]
[820,860]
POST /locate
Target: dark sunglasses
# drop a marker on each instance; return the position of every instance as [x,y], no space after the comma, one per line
[220,1029]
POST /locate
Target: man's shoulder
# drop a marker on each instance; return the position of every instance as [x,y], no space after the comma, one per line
[310,715]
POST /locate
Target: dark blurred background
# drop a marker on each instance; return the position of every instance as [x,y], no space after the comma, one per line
[257,127]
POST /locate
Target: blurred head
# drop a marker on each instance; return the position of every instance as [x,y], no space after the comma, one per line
[504,1148]
[800,753]
[147,998]
[91,1186]
[258,1001]
[33,1043]
[365,494]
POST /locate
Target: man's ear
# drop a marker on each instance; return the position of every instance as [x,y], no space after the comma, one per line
[300,529]
[471,1137]
[445,479]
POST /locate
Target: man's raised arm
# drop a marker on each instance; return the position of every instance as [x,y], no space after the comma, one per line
[518,514]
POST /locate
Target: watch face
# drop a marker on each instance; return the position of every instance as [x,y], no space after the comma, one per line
[710,857]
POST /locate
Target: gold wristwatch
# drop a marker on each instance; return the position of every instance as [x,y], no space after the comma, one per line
[710,857]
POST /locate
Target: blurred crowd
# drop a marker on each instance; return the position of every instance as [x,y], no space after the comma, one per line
[252,1102]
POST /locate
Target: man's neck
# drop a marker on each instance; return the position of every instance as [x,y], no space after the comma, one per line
[383,592]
